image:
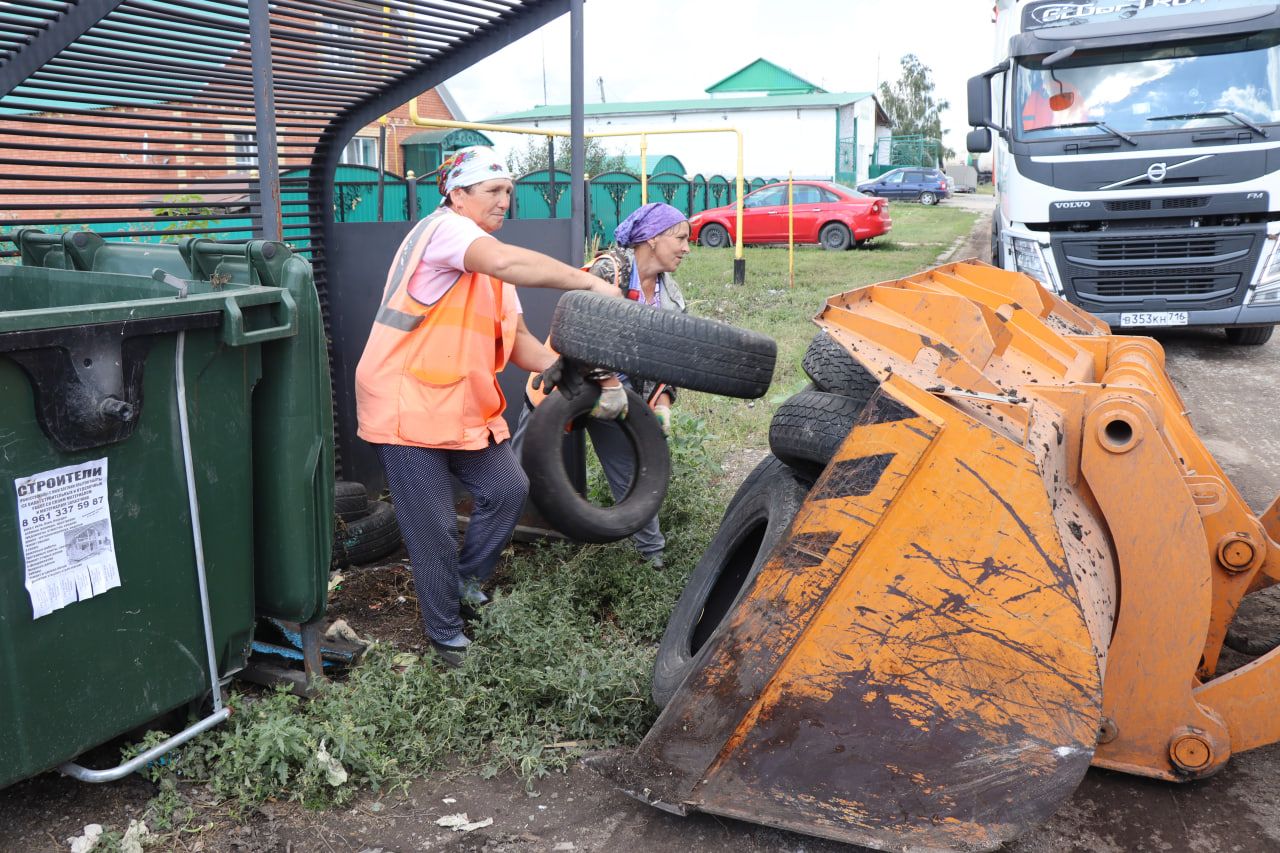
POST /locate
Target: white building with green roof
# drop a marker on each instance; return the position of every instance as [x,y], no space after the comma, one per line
[787,123]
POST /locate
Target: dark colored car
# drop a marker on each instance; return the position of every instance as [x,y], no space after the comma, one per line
[831,214]
[910,183]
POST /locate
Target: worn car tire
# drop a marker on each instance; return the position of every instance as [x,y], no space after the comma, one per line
[375,549]
[714,236]
[664,346]
[928,198]
[552,491]
[807,429]
[755,521]
[835,371]
[835,237]
[1249,336]
[350,500]
[366,539]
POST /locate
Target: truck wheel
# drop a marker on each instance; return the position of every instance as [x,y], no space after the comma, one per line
[834,370]
[553,493]
[665,346]
[807,429]
[834,237]
[714,236]
[757,517]
[1249,336]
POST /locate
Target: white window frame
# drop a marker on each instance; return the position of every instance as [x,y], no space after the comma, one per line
[245,150]
[360,151]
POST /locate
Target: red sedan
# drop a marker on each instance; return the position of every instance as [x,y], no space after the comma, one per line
[826,213]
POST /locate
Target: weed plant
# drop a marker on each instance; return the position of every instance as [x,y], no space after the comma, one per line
[562,656]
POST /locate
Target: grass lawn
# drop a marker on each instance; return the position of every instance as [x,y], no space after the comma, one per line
[769,304]
[564,652]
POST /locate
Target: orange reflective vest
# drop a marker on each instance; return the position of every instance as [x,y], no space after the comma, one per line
[428,375]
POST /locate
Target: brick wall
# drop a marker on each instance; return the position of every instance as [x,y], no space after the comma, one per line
[203,145]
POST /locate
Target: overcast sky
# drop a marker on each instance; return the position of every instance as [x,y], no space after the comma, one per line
[649,50]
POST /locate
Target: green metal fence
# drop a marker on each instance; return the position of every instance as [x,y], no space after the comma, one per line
[543,195]
[673,189]
[911,150]
[538,195]
[611,196]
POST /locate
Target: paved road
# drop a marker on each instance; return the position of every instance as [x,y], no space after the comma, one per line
[972,201]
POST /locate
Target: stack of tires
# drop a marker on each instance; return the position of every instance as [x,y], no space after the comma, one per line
[363,530]
[803,435]
[807,429]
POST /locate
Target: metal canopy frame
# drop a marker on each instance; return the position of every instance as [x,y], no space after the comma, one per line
[167,119]
[118,108]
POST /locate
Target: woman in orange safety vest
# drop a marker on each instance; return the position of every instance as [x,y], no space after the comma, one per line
[427,392]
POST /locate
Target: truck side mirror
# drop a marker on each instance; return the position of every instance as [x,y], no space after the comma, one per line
[978,141]
[980,101]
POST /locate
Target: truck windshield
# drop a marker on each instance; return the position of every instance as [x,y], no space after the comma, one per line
[1232,82]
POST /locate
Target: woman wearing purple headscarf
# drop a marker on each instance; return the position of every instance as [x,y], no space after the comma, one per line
[649,245]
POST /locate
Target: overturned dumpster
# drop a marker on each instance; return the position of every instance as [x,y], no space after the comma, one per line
[1017,560]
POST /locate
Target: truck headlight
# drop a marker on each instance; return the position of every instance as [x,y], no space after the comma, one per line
[1268,289]
[1027,258]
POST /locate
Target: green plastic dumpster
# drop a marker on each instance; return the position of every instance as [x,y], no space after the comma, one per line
[145,408]
[292,406]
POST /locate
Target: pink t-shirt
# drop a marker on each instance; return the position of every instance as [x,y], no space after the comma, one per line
[442,263]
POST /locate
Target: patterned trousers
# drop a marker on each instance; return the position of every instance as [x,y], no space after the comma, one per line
[421,484]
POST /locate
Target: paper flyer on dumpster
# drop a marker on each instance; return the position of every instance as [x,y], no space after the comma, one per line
[68,548]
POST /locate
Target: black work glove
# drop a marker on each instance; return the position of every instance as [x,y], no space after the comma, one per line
[566,374]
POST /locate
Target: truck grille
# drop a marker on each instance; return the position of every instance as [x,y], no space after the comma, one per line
[1189,267]
[1129,204]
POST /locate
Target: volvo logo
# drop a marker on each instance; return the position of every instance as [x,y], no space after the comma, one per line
[1155,173]
[1067,205]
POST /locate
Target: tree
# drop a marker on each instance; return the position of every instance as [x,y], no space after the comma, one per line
[533,158]
[910,103]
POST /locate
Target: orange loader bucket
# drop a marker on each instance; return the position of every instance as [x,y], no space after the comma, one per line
[1021,561]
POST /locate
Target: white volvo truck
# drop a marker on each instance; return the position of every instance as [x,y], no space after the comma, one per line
[1137,157]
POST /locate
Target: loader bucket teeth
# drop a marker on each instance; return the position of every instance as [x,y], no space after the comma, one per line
[1020,561]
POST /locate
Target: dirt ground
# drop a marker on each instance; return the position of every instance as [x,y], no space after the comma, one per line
[1230,392]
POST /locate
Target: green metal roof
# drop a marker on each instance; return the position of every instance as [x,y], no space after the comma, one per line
[766,102]
[763,76]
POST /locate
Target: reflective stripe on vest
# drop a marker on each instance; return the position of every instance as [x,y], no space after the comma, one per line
[412,250]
